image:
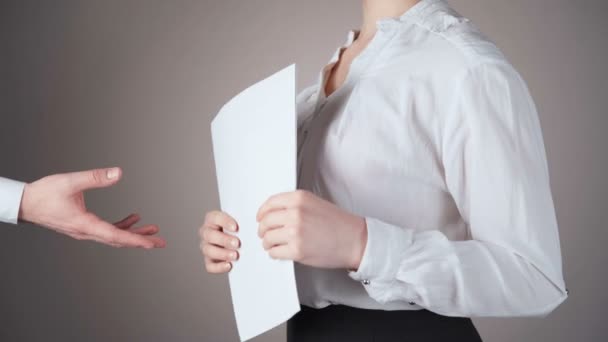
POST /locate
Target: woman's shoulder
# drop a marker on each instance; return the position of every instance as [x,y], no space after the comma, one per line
[456,35]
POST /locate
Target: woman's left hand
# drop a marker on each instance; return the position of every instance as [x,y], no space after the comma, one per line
[302,227]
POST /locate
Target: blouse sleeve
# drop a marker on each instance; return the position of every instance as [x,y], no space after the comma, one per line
[496,171]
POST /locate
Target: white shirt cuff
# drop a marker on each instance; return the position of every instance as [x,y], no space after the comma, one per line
[386,245]
[10,200]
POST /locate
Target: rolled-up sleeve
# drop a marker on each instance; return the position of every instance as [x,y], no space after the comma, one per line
[496,171]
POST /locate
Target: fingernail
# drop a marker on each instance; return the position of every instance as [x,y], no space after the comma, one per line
[233,227]
[233,256]
[227,266]
[234,243]
[112,173]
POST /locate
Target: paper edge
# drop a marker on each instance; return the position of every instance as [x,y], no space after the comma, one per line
[291,67]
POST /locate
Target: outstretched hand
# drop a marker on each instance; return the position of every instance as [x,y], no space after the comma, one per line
[57,202]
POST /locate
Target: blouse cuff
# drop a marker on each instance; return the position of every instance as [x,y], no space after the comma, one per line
[386,244]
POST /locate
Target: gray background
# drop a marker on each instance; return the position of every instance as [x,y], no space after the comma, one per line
[135,83]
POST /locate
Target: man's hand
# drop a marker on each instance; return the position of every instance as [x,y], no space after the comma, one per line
[302,227]
[57,202]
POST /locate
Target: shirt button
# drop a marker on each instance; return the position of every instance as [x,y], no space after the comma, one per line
[411,303]
[366,282]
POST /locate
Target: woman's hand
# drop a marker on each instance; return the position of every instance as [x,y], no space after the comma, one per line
[219,249]
[302,227]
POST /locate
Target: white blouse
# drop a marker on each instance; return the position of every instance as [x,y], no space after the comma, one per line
[435,140]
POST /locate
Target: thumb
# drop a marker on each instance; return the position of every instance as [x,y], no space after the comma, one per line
[93,179]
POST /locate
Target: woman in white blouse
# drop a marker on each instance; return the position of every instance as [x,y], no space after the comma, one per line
[425,192]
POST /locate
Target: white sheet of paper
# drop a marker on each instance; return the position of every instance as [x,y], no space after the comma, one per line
[254,145]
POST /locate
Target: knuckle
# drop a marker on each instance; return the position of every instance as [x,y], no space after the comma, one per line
[272,254]
[224,220]
[112,238]
[61,180]
[272,198]
[213,217]
[297,198]
[217,253]
[301,195]
[297,248]
[210,216]
[227,241]
[96,176]
[226,255]
[297,252]
[293,232]
[298,215]
[206,234]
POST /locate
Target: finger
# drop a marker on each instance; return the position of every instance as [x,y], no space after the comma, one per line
[282,252]
[219,219]
[272,220]
[93,179]
[150,229]
[218,267]
[157,241]
[112,235]
[77,236]
[128,221]
[216,253]
[284,200]
[96,239]
[276,237]
[221,239]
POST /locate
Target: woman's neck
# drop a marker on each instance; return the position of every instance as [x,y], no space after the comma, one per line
[374,10]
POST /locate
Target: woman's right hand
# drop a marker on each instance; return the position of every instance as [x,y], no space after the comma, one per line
[220,249]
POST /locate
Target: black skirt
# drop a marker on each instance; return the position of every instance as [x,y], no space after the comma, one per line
[344,323]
